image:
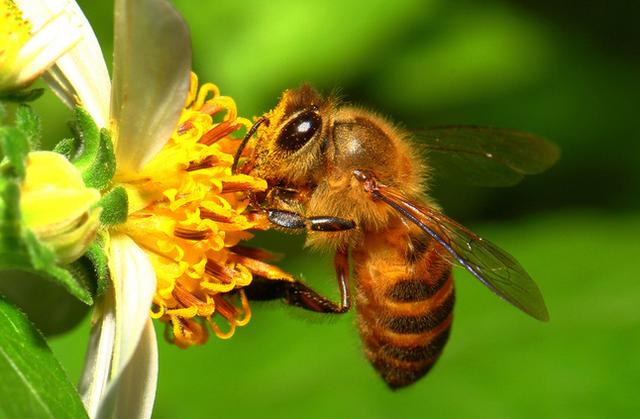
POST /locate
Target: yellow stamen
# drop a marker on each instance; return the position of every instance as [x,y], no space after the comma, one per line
[189,212]
[14,34]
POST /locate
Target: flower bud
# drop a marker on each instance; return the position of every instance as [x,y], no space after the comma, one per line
[57,207]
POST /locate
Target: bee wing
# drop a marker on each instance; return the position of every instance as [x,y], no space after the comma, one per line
[486,156]
[494,267]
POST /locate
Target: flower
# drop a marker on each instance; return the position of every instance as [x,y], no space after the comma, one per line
[178,248]
[30,45]
[188,214]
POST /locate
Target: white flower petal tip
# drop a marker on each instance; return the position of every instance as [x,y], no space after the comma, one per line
[120,333]
[97,363]
[150,88]
[133,393]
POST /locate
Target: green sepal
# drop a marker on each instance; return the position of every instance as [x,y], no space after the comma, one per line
[101,171]
[87,136]
[91,151]
[29,123]
[68,147]
[15,147]
[3,112]
[115,207]
[22,96]
[33,384]
[96,265]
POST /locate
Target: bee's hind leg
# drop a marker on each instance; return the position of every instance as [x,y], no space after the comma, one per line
[296,293]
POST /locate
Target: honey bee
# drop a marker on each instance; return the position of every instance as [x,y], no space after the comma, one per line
[355,183]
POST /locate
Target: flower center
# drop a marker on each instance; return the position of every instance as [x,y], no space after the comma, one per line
[189,213]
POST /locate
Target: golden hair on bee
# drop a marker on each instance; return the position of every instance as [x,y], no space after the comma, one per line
[319,167]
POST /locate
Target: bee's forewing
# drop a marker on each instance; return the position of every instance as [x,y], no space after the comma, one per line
[494,267]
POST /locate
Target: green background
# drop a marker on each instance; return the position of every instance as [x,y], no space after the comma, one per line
[569,73]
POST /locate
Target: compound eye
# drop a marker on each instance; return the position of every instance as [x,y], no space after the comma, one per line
[299,130]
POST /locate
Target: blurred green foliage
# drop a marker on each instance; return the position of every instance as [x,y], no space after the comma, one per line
[568,72]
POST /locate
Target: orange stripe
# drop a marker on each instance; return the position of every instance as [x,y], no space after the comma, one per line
[380,334]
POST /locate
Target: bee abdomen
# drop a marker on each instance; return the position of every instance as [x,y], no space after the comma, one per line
[405,331]
[401,366]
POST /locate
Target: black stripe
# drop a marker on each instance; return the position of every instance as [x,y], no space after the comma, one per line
[418,353]
[414,289]
[424,323]
[396,377]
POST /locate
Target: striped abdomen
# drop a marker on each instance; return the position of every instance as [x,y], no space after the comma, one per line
[404,302]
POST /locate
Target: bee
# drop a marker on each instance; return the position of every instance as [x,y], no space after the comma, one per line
[356,184]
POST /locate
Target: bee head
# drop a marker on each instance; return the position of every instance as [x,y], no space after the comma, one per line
[292,138]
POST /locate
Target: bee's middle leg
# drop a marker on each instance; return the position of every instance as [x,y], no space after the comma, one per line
[296,293]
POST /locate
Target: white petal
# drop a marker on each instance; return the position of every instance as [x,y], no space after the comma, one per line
[134,284]
[80,75]
[151,74]
[97,363]
[122,318]
[53,34]
[132,395]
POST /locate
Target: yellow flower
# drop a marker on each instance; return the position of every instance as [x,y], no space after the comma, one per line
[187,211]
[29,45]
[177,257]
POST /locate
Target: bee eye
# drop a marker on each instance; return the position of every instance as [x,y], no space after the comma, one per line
[299,130]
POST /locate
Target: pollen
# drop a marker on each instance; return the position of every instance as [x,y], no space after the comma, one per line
[15,31]
[190,213]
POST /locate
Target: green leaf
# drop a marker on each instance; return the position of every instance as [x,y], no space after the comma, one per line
[29,123]
[101,171]
[32,382]
[23,95]
[15,147]
[43,260]
[48,305]
[88,136]
[115,205]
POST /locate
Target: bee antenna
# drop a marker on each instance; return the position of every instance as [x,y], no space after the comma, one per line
[244,142]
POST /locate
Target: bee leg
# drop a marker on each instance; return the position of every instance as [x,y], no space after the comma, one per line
[296,293]
[289,219]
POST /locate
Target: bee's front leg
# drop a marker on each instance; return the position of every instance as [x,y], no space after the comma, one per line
[296,293]
[292,220]
[282,207]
